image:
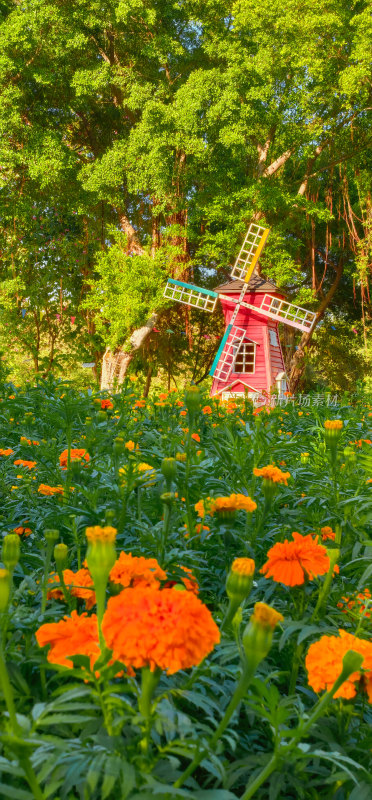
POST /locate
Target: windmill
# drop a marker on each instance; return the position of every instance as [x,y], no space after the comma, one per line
[249,356]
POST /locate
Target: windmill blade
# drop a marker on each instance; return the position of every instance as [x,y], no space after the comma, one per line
[226,353]
[190,295]
[282,311]
[250,252]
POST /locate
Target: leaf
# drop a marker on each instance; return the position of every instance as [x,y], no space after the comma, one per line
[363,791]
[14,793]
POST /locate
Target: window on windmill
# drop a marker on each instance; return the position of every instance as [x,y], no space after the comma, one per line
[273,338]
[245,357]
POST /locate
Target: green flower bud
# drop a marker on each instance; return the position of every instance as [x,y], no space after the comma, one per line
[11,551]
[350,455]
[169,468]
[167,498]
[51,535]
[351,662]
[60,555]
[193,399]
[110,515]
[118,446]
[4,589]
[239,580]
[101,416]
[258,635]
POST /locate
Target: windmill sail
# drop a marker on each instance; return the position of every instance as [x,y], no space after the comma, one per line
[250,252]
[282,311]
[191,295]
[226,354]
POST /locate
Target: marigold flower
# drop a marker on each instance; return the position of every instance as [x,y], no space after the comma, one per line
[98,534]
[71,636]
[21,463]
[324,664]
[235,502]
[327,533]
[7,452]
[22,531]
[78,583]
[49,490]
[170,629]
[272,473]
[106,403]
[196,437]
[131,571]
[76,454]
[207,410]
[333,424]
[181,456]
[291,562]
[139,404]
[24,440]
[130,445]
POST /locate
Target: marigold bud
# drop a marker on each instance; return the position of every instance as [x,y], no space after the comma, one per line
[60,555]
[304,458]
[258,635]
[192,399]
[169,468]
[167,498]
[51,535]
[101,554]
[11,551]
[240,579]
[102,415]
[351,662]
[4,589]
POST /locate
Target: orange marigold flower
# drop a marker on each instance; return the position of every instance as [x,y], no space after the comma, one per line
[7,452]
[71,636]
[163,396]
[235,502]
[139,404]
[21,463]
[333,424]
[291,562]
[243,566]
[196,437]
[106,403]
[24,440]
[78,583]
[49,490]
[183,413]
[170,629]
[207,410]
[75,455]
[324,664]
[98,534]
[22,531]
[327,533]
[130,445]
[272,473]
[131,571]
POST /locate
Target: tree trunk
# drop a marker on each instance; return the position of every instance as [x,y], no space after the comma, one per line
[297,365]
[115,365]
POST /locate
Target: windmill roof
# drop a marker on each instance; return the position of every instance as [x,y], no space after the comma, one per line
[256,284]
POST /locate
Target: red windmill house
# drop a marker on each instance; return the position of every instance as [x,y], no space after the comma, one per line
[249,358]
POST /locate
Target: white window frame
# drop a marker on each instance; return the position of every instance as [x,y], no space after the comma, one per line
[239,351]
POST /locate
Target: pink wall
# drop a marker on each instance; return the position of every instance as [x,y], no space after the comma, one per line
[269,358]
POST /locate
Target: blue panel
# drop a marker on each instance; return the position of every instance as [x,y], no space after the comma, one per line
[195,288]
[219,351]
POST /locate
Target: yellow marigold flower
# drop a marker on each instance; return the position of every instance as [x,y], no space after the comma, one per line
[266,616]
[333,424]
[235,502]
[145,467]
[243,566]
[181,456]
[98,534]
[273,474]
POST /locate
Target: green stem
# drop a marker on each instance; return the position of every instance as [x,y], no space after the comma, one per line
[31,778]
[149,682]
[230,614]
[190,521]
[100,589]
[8,694]
[295,667]
[167,512]
[245,679]
[48,559]
[301,731]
